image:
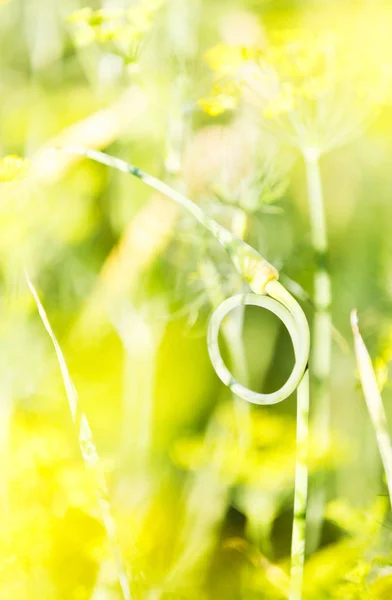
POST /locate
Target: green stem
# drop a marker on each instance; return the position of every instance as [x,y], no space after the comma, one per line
[322,337]
[300,491]
[254,269]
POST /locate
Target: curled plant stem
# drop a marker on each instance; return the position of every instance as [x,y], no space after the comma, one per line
[374,401]
[322,336]
[283,305]
[89,452]
[268,293]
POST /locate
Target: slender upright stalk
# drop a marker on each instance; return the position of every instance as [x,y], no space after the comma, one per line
[300,491]
[139,382]
[140,336]
[206,487]
[322,337]
[373,401]
[232,332]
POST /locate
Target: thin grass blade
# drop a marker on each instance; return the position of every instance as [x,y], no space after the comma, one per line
[373,401]
[89,451]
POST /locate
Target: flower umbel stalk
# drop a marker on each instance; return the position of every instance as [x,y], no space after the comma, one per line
[268,293]
[322,336]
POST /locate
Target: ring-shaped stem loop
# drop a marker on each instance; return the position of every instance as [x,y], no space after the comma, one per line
[292,317]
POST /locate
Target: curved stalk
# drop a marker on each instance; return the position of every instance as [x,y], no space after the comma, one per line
[270,294]
[254,268]
[322,336]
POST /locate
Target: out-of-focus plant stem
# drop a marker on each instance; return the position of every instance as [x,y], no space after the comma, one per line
[89,452]
[373,401]
[322,336]
[139,398]
[140,335]
[232,332]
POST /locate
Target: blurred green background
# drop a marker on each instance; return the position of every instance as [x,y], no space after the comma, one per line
[201,485]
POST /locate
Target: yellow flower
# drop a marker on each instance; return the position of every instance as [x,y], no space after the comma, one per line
[282,103]
[226,60]
[217,105]
[320,87]
[13,167]
[122,29]
[299,54]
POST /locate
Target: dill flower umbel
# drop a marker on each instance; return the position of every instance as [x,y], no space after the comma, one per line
[313,87]
[121,30]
